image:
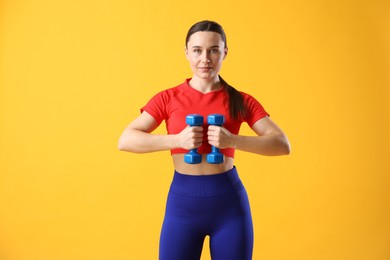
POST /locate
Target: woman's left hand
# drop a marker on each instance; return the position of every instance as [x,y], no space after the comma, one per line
[220,137]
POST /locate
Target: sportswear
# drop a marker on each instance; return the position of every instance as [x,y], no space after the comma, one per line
[214,205]
[174,104]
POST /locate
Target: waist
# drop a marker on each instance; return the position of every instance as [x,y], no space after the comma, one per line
[206,185]
[203,168]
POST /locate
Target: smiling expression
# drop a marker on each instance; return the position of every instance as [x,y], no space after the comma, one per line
[205,51]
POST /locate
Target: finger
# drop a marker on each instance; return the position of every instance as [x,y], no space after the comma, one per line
[197,128]
[212,138]
[215,129]
[212,127]
[198,137]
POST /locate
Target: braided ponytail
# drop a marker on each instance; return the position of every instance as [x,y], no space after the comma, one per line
[237,108]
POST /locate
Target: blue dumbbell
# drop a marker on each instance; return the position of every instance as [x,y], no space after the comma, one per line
[215,157]
[192,157]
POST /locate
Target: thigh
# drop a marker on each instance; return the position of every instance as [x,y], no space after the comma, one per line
[177,243]
[180,237]
[233,239]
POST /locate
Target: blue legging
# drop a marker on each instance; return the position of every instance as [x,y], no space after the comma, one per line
[215,205]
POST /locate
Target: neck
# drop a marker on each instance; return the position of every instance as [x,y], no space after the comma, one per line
[205,85]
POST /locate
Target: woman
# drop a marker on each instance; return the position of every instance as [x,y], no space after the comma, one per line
[205,199]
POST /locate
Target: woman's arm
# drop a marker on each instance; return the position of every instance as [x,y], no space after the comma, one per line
[137,137]
[270,139]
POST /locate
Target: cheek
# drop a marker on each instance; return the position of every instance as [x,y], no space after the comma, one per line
[218,60]
[193,61]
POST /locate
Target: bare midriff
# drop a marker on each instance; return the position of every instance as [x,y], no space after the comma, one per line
[203,168]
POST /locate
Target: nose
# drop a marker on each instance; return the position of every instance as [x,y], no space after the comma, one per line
[206,57]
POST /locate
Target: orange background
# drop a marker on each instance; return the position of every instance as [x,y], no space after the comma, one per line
[75,73]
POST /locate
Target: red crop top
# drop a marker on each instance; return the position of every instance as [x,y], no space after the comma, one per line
[174,104]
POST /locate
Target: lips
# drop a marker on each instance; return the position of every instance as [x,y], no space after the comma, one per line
[205,68]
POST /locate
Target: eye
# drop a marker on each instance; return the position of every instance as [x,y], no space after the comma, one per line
[215,51]
[197,50]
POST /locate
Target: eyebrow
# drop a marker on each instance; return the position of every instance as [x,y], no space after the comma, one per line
[214,46]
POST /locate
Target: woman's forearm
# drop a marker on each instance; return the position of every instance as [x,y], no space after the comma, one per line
[137,141]
[270,144]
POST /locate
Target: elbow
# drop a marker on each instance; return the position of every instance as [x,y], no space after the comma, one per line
[127,145]
[129,142]
[121,145]
[286,147]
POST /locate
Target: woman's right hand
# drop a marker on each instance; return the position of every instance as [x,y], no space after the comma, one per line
[190,137]
[137,137]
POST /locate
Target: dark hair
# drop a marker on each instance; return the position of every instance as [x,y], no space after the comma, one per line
[237,108]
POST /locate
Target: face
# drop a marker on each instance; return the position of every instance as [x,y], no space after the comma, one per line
[205,51]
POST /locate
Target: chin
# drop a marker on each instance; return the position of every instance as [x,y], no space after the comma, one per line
[206,75]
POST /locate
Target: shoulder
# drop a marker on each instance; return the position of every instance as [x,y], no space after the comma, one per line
[248,98]
[167,94]
[173,90]
[245,95]
[254,108]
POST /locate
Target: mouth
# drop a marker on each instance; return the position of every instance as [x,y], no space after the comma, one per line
[205,69]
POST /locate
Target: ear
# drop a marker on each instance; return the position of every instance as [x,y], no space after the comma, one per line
[225,52]
[186,52]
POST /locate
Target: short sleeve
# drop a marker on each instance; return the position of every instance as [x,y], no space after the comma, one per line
[255,111]
[156,106]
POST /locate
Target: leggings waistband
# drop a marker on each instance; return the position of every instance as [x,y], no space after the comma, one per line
[206,185]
